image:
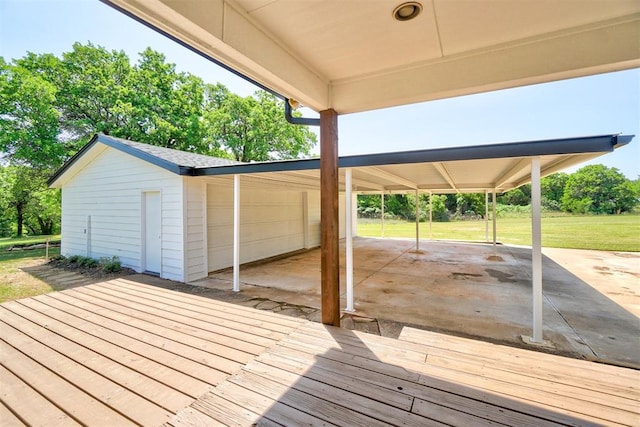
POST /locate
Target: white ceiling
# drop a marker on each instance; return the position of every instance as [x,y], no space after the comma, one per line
[464,176]
[351,55]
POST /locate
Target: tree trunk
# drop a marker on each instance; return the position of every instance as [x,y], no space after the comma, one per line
[20,219]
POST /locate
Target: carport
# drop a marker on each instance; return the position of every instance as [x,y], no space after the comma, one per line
[484,169]
[341,57]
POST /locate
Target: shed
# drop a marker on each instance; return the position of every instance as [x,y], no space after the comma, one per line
[173,213]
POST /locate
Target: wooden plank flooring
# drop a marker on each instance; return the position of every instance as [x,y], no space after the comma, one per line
[121,353]
[126,353]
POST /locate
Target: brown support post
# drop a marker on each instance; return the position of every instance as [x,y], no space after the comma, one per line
[329,238]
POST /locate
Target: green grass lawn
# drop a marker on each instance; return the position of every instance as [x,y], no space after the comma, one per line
[603,232]
[15,283]
[7,242]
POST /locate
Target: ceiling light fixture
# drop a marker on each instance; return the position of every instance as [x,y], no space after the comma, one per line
[407,11]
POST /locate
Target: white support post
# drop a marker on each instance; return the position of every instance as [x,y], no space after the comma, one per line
[536,249]
[417,222]
[382,231]
[486,215]
[430,216]
[236,233]
[348,239]
[495,231]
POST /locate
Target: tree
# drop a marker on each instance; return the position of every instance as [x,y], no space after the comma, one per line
[167,105]
[24,189]
[29,124]
[254,128]
[515,197]
[50,107]
[552,189]
[599,189]
[470,203]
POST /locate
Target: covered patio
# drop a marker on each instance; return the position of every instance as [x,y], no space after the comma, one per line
[343,57]
[468,289]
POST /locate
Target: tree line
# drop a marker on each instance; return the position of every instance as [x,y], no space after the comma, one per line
[593,189]
[50,106]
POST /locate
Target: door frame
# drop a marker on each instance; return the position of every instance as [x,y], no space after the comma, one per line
[143,231]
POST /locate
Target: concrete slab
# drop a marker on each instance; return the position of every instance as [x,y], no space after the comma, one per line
[591,303]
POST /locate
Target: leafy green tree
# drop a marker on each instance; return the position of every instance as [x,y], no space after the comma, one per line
[254,128]
[50,106]
[552,186]
[29,124]
[599,189]
[167,105]
[402,205]
[552,189]
[43,212]
[369,205]
[439,211]
[514,197]
[18,184]
[470,203]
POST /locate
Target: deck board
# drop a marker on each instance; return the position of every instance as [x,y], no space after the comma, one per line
[34,408]
[126,353]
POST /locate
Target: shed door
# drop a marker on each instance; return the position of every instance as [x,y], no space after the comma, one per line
[152,231]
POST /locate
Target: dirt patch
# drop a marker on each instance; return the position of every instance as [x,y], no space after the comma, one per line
[501,275]
[95,272]
[626,255]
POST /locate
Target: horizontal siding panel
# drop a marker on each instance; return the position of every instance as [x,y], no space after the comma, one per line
[271,223]
[110,190]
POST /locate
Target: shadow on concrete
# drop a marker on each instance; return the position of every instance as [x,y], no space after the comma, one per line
[470,290]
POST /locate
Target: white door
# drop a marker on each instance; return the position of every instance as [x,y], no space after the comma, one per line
[152,231]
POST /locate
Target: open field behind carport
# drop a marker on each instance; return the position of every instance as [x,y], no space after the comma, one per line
[597,232]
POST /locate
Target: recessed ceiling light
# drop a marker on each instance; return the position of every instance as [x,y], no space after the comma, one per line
[407,11]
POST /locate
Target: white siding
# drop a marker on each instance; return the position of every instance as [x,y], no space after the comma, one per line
[110,190]
[195,228]
[313,198]
[271,222]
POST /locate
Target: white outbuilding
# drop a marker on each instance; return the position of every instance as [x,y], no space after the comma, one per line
[143,204]
[182,215]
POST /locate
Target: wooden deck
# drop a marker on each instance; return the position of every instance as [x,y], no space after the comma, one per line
[124,353]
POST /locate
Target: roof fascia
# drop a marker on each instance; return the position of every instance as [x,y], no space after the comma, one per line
[588,144]
[579,145]
[62,169]
[149,158]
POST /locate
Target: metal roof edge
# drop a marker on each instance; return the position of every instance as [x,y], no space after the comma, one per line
[66,165]
[257,167]
[623,140]
[576,145]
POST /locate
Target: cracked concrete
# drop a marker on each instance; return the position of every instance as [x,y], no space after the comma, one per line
[591,299]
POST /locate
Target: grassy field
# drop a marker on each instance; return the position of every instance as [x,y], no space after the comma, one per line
[15,283]
[606,232]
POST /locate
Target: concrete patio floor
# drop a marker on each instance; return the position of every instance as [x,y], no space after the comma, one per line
[591,299]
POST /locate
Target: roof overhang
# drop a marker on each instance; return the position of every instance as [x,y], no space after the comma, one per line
[498,167]
[353,56]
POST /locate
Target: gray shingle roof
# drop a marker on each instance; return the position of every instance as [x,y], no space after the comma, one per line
[177,157]
[178,162]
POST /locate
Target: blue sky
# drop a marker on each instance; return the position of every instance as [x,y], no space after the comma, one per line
[602,104]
